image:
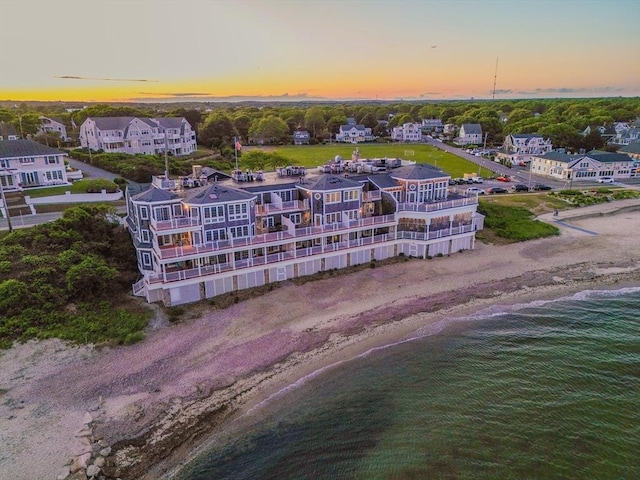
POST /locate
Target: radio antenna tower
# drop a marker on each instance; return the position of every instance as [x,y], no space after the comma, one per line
[495,79]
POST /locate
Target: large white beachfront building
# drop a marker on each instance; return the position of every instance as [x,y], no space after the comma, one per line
[201,242]
[135,135]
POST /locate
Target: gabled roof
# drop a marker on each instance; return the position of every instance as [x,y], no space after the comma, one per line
[607,157]
[330,182]
[216,193]
[419,171]
[525,135]
[559,157]
[171,122]
[383,180]
[472,128]
[351,127]
[25,148]
[120,123]
[154,195]
[633,147]
[7,130]
[271,188]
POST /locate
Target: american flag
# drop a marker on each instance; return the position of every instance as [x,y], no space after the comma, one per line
[238,146]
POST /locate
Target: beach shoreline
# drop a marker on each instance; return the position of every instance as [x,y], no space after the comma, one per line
[155,402]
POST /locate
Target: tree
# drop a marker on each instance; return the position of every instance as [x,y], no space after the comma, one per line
[593,140]
[369,120]
[314,120]
[333,124]
[216,130]
[271,129]
[242,123]
[90,278]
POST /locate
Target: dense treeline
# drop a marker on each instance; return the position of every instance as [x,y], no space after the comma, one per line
[70,279]
[562,120]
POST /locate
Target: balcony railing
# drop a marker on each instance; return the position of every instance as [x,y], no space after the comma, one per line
[274,258]
[174,223]
[269,208]
[371,196]
[435,206]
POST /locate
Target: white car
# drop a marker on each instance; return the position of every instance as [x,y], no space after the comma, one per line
[476,190]
[605,180]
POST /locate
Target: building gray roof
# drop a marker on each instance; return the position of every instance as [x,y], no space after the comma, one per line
[7,130]
[330,182]
[349,127]
[383,180]
[25,148]
[633,147]
[471,128]
[216,193]
[607,157]
[271,187]
[525,135]
[153,195]
[419,171]
[559,157]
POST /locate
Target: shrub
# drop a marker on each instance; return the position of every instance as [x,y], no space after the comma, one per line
[98,184]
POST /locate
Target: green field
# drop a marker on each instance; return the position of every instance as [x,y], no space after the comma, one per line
[316,155]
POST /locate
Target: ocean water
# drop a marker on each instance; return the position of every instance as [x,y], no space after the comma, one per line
[543,391]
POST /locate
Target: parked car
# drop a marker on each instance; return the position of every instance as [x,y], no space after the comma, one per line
[494,190]
[520,188]
[478,180]
[605,180]
[540,186]
[452,181]
[503,178]
[477,190]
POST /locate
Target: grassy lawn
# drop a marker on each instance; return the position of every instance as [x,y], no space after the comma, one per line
[76,187]
[536,203]
[315,155]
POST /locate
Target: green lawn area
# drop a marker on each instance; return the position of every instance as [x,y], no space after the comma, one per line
[315,155]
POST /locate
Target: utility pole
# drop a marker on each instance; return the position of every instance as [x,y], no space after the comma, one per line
[495,79]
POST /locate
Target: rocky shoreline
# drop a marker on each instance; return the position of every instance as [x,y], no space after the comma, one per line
[188,423]
[157,402]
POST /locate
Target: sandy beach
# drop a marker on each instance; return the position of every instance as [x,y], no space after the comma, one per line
[145,407]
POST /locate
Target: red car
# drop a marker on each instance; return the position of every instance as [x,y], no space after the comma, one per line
[503,178]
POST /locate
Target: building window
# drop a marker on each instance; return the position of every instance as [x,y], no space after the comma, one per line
[332,197]
[4,163]
[237,232]
[213,214]
[215,235]
[296,218]
[145,236]
[351,195]
[333,218]
[144,213]
[238,211]
[146,259]
[26,160]
[50,160]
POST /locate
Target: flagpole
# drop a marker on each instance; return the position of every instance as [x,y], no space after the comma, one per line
[235,148]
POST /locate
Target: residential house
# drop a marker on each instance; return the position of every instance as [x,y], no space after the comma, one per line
[197,243]
[135,135]
[518,148]
[632,150]
[25,163]
[432,125]
[8,132]
[408,132]
[625,136]
[351,121]
[470,134]
[53,125]
[354,134]
[301,137]
[588,166]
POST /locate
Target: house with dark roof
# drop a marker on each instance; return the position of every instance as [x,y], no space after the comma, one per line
[301,137]
[470,134]
[354,134]
[589,166]
[633,150]
[135,135]
[8,132]
[194,244]
[53,125]
[518,148]
[432,125]
[25,163]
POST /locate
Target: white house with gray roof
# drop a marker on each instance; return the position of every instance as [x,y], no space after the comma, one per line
[408,132]
[470,134]
[135,135]
[25,163]
[354,134]
[584,167]
[194,244]
[53,125]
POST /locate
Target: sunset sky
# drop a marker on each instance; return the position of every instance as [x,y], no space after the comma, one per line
[166,50]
